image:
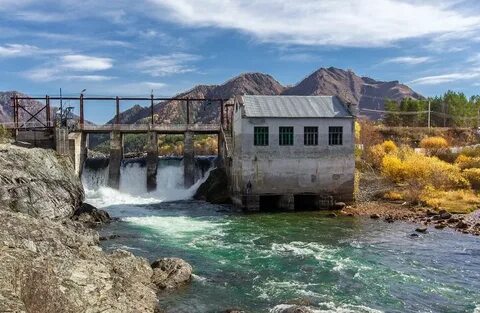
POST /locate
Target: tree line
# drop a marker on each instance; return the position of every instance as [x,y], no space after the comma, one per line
[452,109]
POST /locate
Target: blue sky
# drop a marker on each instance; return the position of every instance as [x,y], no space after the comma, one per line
[131,47]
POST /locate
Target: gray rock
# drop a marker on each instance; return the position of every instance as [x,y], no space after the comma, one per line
[375,216]
[215,188]
[170,273]
[38,182]
[90,215]
[421,229]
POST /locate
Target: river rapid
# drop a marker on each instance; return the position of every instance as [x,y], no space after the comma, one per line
[266,262]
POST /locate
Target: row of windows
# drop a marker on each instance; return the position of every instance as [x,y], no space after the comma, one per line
[285,136]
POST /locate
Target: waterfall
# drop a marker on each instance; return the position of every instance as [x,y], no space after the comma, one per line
[133,188]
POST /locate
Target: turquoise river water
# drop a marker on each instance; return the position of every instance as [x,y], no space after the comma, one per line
[265,262]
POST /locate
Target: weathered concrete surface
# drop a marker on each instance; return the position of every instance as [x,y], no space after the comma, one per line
[297,169]
[47,267]
[116,156]
[152,161]
[215,188]
[79,152]
[37,182]
[189,160]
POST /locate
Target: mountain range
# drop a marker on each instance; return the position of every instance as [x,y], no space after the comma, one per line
[364,92]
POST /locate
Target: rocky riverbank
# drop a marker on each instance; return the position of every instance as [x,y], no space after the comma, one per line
[50,260]
[439,219]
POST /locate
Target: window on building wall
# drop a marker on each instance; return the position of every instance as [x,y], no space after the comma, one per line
[310,136]
[260,136]
[335,135]
[286,136]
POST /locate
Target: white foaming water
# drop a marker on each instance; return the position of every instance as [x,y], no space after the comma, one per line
[329,308]
[133,188]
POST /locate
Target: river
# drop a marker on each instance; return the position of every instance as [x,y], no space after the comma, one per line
[265,262]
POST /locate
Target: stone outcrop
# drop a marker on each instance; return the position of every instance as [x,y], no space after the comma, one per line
[170,273]
[48,266]
[215,188]
[91,216]
[50,263]
[38,182]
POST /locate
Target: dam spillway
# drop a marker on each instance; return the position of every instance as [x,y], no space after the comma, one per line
[132,181]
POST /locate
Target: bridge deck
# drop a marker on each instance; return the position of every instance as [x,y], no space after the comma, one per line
[145,128]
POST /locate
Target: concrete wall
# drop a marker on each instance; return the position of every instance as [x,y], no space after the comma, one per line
[296,169]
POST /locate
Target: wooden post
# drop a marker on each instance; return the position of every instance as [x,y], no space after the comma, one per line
[151,107]
[188,112]
[82,117]
[47,107]
[14,106]
[16,112]
[117,104]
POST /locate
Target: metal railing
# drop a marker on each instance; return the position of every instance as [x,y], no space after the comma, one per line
[149,127]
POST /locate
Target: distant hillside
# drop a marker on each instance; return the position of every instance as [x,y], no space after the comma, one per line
[6,109]
[365,92]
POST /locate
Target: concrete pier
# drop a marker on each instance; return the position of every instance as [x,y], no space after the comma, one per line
[152,161]
[188,160]
[79,153]
[116,156]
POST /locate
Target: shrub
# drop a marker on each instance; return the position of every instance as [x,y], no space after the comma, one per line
[473,177]
[394,168]
[5,134]
[471,151]
[377,152]
[418,171]
[465,162]
[434,145]
[393,196]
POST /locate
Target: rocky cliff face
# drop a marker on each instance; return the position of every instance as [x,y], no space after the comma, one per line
[49,263]
[48,267]
[38,183]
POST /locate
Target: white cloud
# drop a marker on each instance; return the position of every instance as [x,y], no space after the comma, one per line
[71,67]
[164,65]
[410,60]
[360,23]
[446,78]
[17,50]
[79,62]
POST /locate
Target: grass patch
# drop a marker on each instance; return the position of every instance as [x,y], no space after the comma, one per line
[454,201]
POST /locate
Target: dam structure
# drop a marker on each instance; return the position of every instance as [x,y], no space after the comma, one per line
[72,138]
[278,152]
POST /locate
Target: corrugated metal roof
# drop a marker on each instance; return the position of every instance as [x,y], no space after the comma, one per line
[294,106]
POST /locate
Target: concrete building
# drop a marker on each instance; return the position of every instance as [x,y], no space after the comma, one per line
[291,152]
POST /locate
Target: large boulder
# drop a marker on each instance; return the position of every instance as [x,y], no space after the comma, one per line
[286,308]
[38,182]
[48,266]
[91,216]
[170,273]
[215,188]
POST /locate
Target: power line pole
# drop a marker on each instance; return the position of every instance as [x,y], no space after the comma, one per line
[429,114]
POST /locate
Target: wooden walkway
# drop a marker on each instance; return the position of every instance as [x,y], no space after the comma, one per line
[145,128]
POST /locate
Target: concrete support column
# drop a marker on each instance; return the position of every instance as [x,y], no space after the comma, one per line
[188,160]
[61,141]
[78,151]
[152,161]
[287,202]
[116,156]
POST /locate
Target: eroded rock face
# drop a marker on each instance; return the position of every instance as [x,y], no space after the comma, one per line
[170,273]
[91,216]
[48,266]
[38,182]
[215,188]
